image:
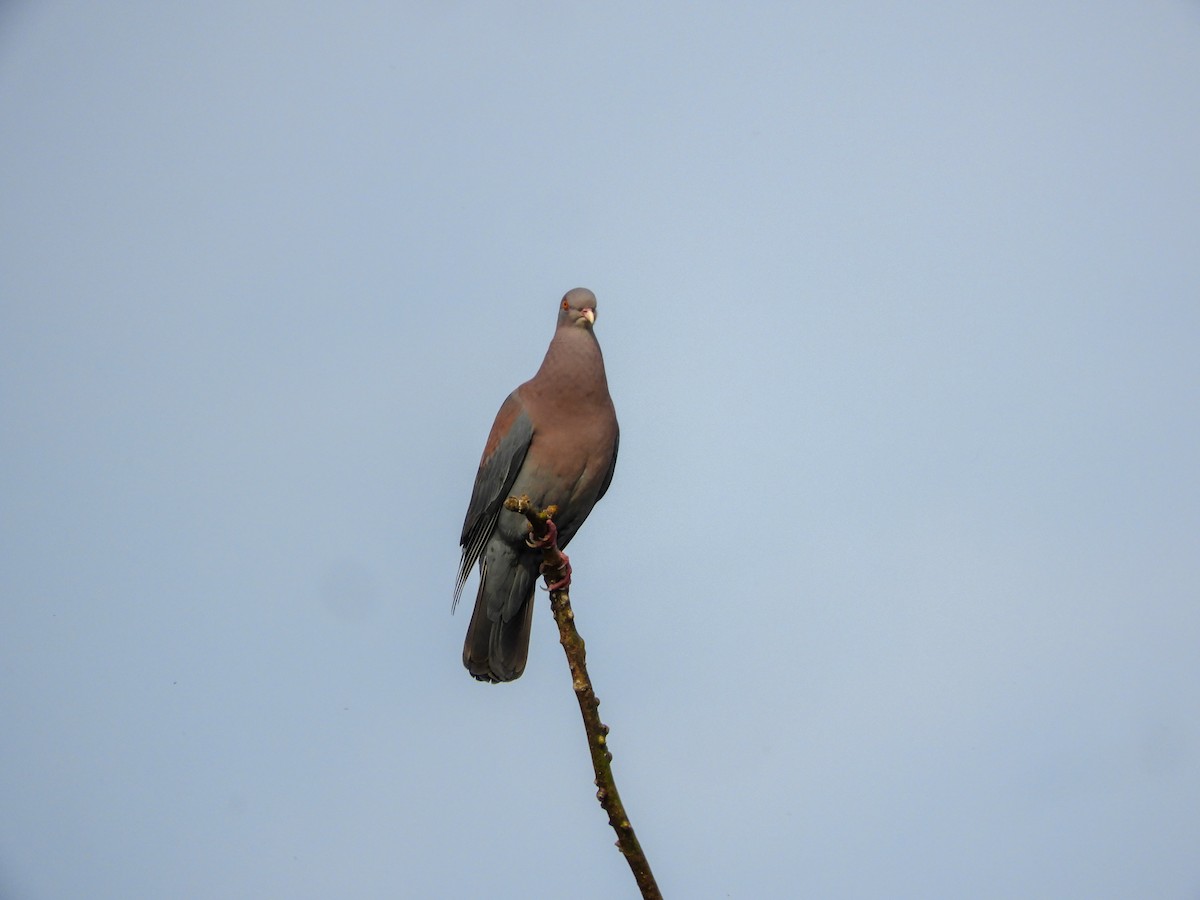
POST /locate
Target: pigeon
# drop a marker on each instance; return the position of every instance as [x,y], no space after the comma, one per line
[554,439]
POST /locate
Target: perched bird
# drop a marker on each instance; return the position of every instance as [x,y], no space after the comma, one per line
[554,439]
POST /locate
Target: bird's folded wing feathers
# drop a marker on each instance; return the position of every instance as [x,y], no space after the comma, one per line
[502,457]
[612,467]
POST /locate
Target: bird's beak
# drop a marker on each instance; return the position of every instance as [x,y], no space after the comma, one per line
[590,315]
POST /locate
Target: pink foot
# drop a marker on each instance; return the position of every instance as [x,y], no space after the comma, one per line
[548,541]
[565,582]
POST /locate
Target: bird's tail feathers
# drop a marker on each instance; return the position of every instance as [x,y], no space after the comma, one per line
[497,644]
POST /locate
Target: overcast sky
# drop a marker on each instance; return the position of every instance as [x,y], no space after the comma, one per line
[896,593]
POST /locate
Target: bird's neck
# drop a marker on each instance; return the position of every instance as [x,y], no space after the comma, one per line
[574,362]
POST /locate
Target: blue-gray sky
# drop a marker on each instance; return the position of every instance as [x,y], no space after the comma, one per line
[897,589]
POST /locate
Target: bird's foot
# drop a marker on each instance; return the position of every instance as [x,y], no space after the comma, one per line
[563,583]
[549,540]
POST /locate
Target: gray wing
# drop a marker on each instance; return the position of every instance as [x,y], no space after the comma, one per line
[612,467]
[503,455]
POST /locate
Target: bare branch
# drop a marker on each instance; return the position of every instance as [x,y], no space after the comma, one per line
[557,571]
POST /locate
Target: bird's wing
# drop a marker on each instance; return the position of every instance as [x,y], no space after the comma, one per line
[612,467]
[502,458]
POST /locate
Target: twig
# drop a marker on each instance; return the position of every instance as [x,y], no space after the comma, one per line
[555,568]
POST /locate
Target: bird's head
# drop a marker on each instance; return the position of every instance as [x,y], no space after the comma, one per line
[578,307]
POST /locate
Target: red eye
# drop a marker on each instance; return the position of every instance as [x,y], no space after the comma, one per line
[566,305]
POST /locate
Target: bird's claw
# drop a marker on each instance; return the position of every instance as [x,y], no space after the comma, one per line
[563,583]
[549,540]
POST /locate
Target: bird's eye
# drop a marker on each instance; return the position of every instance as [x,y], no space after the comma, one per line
[566,305]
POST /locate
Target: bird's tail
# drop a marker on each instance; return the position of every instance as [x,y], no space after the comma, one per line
[497,644]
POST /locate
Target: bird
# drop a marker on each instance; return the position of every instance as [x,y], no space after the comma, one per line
[555,440]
